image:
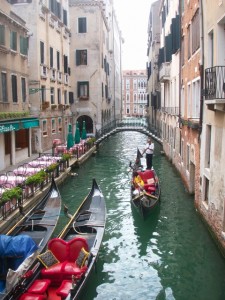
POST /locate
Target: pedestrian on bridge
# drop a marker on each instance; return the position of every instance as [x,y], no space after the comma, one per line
[149,149]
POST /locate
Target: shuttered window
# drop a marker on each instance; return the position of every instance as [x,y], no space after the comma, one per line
[13,40]
[23,45]
[42,55]
[81,57]
[2,34]
[82,26]
[23,89]
[195,32]
[51,58]
[14,88]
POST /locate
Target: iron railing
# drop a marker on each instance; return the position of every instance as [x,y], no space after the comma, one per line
[171,110]
[215,83]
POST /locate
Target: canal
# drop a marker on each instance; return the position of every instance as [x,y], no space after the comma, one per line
[169,256]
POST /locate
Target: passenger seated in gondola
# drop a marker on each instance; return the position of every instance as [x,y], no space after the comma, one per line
[138,182]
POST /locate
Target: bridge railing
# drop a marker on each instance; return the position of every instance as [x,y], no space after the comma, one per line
[127,122]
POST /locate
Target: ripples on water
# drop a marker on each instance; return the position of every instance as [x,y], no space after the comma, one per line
[168,256]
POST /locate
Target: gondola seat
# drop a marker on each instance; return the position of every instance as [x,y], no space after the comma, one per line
[29,296]
[149,181]
[66,254]
[64,289]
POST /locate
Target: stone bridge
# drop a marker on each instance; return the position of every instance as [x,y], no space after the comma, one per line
[129,124]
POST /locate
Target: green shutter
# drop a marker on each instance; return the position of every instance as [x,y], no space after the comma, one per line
[2,34]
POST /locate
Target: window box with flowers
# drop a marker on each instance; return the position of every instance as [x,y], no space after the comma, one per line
[53,106]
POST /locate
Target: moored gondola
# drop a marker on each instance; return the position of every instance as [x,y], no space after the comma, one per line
[145,187]
[27,238]
[63,270]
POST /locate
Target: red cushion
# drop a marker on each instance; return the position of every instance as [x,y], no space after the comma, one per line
[39,286]
[146,175]
[64,288]
[28,296]
[67,251]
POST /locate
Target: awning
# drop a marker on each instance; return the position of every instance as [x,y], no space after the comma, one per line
[18,124]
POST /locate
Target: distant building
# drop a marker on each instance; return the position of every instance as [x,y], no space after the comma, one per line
[95,63]
[134,93]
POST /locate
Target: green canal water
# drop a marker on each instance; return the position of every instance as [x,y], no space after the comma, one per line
[169,256]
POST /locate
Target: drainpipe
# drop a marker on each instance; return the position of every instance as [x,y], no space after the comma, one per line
[201,66]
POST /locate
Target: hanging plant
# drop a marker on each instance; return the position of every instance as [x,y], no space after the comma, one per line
[36,178]
[14,193]
[66,156]
[52,167]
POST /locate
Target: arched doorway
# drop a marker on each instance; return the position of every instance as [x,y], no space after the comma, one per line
[88,122]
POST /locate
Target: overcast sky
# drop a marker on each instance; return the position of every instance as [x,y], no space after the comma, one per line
[132,17]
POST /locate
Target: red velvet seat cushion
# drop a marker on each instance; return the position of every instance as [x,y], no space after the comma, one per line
[64,288]
[146,175]
[28,296]
[39,286]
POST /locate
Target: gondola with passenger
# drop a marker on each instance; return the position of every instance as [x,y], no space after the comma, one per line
[145,187]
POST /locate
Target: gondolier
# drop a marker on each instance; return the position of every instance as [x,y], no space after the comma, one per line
[149,149]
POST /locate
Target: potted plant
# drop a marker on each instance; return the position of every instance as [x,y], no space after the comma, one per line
[45,104]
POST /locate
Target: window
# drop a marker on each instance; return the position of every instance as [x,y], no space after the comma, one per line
[58,60]
[65,63]
[82,25]
[51,58]
[195,32]
[59,96]
[83,89]
[42,54]
[210,49]
[23,89]
[60,124]
[127,84]
[43,94]
[44,128]
[127,98]
[206,194]
[13,40]
[23,45]
[65,17]
[207,146]
[53,126]
[14,88]
[4,87]
[65,97]
[196,99]
[188,157]
[2,34]
[189,41]
[52,95]
[81,57]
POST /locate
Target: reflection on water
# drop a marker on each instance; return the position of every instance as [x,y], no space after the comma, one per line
[168,256]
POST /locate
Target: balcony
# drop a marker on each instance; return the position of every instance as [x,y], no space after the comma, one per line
[164,72]
[44,72]
[174,111]
[215,88]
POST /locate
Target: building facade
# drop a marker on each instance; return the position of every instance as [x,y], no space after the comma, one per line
[134,93]
[211,202]
[16,122]
[49,71]
[153,85]
[169,76]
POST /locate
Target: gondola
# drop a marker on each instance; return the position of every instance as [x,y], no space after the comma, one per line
[64,268]
[147,196]
[27,238]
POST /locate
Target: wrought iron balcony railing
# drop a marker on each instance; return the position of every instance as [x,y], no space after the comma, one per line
[215,83]
[171,110]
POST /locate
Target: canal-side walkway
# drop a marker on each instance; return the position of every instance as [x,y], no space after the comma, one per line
[15,216]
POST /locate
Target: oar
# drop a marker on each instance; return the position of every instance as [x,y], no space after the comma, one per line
[150,195]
